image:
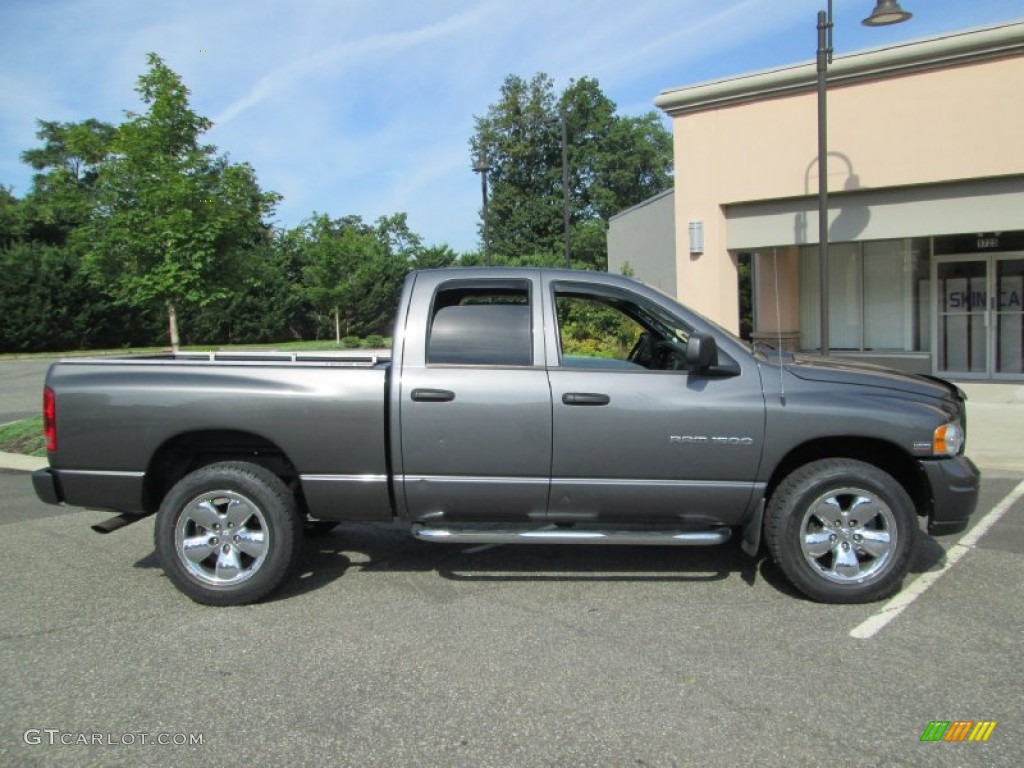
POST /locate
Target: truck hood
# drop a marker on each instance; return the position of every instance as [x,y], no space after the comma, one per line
[863,374]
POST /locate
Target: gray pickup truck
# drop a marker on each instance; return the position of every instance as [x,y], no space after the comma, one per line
[516,406]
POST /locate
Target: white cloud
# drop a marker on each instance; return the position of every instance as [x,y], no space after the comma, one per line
[347,53]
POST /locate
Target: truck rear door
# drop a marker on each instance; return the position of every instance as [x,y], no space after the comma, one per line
[473,401]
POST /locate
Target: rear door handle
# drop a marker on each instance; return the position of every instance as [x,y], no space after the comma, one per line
[433,395]
[585,398]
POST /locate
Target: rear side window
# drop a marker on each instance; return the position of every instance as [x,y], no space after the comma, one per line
[481,323]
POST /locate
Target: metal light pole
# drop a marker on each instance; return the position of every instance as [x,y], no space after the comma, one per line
[564,141]
[565,185]
[482,167]
[886,12]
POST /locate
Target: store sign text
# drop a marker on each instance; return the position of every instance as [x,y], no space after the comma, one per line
[978,300]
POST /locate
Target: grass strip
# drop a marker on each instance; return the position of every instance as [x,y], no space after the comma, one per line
[24,437]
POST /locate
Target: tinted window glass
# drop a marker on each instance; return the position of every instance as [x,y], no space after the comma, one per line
[611,331]
[481,323]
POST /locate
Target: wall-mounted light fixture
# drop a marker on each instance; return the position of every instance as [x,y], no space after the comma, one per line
[696,237]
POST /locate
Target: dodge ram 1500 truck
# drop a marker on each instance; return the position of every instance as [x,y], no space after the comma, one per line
[516,406]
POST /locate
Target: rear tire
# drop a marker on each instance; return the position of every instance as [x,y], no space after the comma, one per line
[228,533]
[842,531]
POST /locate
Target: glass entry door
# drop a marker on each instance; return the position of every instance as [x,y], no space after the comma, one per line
[980,318]
[1009,316]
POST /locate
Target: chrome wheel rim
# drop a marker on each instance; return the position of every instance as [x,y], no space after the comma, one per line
[848,535]
[222,538]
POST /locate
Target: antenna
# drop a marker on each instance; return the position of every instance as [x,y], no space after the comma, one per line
[778,325]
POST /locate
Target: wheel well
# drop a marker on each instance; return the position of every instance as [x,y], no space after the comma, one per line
[886,456]
[188,452]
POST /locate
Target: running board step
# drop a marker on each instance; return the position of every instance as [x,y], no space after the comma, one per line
[457,535]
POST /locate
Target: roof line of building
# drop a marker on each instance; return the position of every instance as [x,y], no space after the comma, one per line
[969,46]
[652,199]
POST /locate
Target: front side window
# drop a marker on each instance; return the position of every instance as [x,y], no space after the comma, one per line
[609,331]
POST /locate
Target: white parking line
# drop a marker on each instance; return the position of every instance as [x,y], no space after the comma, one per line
[898,604]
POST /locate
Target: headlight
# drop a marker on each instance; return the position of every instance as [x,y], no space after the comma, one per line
[948,439]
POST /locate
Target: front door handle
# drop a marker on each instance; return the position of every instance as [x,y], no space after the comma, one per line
[585,398]
[433,395]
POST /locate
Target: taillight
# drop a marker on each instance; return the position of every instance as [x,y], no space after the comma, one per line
[50,419]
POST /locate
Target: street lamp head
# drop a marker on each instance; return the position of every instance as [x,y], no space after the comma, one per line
[481,165]
[886,12]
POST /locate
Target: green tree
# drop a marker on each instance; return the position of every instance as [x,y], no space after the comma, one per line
[60,309]
[12,227]
[398,240]
[47,303]
[520,138]
[435,257]
[173,219]
[268,304]
[67,167]
[614,162]
[353,271]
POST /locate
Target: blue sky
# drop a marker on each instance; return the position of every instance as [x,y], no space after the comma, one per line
[366,106]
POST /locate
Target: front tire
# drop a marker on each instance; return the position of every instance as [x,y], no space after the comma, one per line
[228,533]
[842,531]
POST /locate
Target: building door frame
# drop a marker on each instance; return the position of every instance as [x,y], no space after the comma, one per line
[995,308]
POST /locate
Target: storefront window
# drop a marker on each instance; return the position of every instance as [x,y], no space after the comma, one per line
[878,296]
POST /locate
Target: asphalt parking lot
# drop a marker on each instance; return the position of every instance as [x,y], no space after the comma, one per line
[21,385]
[384,651]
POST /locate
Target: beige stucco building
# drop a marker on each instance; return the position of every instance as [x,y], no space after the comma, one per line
[926,203]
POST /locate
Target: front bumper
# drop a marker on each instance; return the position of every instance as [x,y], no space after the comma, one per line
[954,485]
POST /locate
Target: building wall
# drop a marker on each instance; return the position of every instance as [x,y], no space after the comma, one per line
[643,237]
[922,128]
[706,281]
[902,118]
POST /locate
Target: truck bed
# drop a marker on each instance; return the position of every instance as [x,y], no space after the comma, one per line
[131,413]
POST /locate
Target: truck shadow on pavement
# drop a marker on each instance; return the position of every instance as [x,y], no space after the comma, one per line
[363,548]
[355,548]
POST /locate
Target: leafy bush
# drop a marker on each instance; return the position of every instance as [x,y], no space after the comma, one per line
[46,304]
[591,329]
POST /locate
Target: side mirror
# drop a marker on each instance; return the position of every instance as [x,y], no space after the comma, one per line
[701,352]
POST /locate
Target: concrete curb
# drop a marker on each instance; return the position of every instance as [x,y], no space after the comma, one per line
[20,462]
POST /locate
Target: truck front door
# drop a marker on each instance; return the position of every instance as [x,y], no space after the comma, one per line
[637,436]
